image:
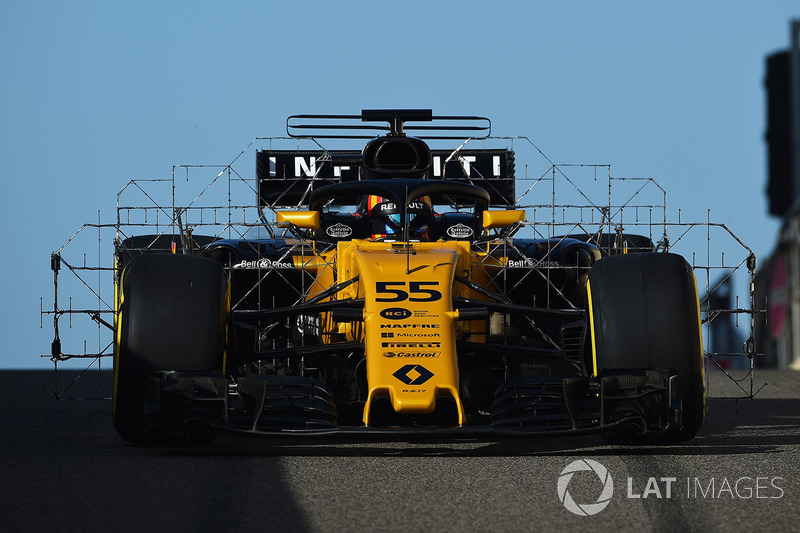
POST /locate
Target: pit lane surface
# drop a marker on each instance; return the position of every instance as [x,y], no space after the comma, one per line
[64,469]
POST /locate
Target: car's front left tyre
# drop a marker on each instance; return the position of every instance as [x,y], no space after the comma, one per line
[645,315]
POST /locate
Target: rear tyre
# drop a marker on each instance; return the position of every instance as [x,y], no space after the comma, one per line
[173,315]
[645,315]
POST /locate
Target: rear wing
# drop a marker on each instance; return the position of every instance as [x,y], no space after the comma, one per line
[397,122]
[287,177]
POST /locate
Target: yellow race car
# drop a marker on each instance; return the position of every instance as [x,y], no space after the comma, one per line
[401,296]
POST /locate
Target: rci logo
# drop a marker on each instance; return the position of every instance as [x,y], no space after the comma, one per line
[395,313]
[585,509]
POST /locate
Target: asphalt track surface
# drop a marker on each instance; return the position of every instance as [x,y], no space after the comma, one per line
[64,469]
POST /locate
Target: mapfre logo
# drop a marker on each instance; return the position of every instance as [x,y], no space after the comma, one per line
[607,484]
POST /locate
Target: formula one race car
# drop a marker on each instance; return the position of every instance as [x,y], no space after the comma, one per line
[397,298]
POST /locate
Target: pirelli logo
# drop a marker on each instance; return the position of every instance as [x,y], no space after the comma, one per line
[411,344]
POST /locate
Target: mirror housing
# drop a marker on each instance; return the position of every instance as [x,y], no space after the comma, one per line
[502,219]
[301,219]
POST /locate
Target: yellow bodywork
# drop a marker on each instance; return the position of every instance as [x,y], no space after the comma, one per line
[301,219]
[409,327]
[502,219]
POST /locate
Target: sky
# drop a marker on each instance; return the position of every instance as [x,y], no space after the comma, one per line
[95,94]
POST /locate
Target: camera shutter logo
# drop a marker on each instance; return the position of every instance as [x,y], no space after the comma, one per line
[585,509]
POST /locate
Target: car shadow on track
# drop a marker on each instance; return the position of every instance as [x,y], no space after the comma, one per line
[731,428]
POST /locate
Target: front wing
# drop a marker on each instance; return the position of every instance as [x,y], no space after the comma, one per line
[270,405]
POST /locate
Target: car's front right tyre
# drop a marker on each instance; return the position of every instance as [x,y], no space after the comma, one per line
[172,316]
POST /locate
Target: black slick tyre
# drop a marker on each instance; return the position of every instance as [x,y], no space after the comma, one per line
[172,316]
[645,315]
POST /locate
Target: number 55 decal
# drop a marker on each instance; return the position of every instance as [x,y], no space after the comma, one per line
[417,292]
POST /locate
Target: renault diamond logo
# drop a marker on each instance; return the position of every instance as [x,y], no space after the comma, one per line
[413,374]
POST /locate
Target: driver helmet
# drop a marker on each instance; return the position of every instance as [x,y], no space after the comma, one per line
[384,218]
